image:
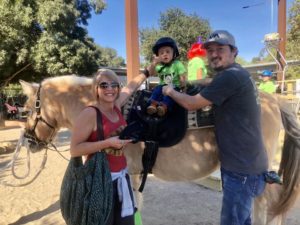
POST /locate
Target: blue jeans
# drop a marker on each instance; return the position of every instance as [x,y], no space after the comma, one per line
[239,191]
[158,96]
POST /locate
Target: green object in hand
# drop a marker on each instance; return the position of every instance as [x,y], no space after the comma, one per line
[138,218]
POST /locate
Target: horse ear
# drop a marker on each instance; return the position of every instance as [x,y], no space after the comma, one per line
[29,89]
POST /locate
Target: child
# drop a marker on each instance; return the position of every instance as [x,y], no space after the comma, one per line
[169,70]
[267,85]
[196,66]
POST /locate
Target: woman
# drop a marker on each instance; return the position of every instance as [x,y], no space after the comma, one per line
[110,98]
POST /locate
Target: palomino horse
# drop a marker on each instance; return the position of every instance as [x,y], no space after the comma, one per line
[56,102]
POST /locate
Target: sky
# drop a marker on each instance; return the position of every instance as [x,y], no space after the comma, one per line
[248,25]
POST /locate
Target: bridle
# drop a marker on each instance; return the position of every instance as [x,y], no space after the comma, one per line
[30,132]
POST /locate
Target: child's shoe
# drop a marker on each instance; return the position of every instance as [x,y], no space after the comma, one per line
[151,109]
[162,110]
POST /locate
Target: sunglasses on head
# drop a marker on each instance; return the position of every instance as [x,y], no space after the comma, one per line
[105,85]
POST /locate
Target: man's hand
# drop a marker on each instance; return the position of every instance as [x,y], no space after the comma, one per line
[167,89]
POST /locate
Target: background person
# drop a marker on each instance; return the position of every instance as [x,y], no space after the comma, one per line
[196,65]
[267,84]
[237,127]
[169,70]
[110,98]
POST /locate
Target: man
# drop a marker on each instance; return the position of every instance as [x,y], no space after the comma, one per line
[238,127]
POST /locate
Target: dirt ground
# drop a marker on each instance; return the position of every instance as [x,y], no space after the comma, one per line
[165,203]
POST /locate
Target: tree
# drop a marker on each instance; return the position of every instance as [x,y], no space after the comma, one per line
[109,58]
[42,38]
[241,60]
[48,38]
[292,45]
[293,39]
[184,29]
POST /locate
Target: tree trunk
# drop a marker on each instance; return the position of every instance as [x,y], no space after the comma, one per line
[2,124]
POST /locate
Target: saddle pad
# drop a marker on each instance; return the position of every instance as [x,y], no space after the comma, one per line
[202,118]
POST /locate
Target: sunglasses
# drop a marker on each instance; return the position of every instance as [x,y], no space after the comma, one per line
[105,85]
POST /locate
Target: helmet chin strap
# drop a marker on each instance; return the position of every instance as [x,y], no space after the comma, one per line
[165,65]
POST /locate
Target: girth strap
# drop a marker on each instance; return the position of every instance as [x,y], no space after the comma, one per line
[148,159]
[150,151]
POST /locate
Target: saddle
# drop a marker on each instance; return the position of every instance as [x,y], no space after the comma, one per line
[167,131]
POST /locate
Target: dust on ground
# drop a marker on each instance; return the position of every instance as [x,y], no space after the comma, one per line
[165,203]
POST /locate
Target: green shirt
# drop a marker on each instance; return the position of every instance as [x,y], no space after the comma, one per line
[194,65]
[267,86]
[171,73]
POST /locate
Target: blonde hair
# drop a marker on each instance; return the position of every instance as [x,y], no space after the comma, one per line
[104,73]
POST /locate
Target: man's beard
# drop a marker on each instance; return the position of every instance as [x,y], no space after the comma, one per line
[214,65]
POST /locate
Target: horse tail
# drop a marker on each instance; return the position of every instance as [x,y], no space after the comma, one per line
[290,160]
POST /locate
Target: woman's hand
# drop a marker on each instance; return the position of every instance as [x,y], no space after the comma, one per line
[117,143]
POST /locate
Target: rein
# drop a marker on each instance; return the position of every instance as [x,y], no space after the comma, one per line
[12,164]
[30,133]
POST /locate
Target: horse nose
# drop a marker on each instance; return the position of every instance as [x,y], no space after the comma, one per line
[35,146]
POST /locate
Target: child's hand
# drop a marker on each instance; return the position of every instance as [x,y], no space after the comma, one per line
[167,89]
[155,60]
[151,67]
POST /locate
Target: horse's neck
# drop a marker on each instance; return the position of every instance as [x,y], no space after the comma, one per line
[66,107]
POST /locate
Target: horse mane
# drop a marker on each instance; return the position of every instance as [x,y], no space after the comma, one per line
[67,81]
[66,96]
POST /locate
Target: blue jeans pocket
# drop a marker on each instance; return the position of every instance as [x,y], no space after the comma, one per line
[256,185]
[233,181]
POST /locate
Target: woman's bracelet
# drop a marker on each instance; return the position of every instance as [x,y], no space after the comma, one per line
[146,72]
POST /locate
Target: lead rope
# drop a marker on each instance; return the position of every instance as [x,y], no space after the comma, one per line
[12,163]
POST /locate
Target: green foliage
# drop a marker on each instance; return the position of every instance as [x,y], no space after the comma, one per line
[50,38]
[293,39]
[292,44]
[294,21]
[241,61]
[17,35]
[12,90]
[62,55]
[184,29]
[109,57]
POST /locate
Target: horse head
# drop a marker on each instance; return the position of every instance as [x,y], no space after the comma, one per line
[40,127]
[53,104]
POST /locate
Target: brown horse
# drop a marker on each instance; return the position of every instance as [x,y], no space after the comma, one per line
[56,102]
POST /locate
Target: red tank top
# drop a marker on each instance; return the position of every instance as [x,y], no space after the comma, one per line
[116,163]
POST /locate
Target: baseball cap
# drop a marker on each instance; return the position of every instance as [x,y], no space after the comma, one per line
[267,73]
[221,37]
